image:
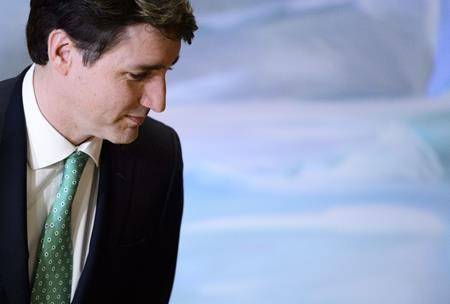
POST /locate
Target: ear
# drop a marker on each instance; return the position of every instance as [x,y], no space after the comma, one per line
[61,51]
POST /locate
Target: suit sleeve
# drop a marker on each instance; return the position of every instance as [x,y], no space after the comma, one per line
[170,226]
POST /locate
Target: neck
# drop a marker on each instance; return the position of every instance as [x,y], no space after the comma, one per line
[55,105]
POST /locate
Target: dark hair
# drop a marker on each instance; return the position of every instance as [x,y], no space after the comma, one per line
[96,26]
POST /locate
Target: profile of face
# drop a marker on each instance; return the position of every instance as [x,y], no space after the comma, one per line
[111,98]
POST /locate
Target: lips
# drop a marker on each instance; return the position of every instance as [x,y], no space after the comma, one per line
[136,120]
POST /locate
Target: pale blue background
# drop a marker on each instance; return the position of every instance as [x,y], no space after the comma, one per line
[316,140]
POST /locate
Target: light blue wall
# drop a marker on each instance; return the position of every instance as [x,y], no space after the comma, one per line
[13,53]
[440,81]
[317,168]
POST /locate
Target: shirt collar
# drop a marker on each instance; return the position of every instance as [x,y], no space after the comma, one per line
[46,146]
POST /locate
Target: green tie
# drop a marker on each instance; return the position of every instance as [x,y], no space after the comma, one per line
[52,280]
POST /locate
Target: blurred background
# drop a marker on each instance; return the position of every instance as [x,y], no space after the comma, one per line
[316,140]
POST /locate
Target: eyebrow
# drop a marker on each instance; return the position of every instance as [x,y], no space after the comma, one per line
[151,67]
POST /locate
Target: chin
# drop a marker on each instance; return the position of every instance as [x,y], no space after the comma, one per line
[125,137]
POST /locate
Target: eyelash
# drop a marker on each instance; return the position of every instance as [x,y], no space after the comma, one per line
[139,77]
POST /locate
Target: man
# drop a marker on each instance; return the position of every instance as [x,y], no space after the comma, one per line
[91,189]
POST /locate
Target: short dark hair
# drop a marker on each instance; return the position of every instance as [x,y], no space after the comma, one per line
[96,26]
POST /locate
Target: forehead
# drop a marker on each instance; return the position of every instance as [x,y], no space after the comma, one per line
[144,44]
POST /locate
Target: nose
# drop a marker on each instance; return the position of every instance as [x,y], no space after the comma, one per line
[154,94]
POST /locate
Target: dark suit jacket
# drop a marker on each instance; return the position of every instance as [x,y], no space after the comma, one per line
[134,243]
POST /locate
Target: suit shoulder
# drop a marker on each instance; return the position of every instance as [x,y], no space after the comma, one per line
[152,128]
[7,84]
[158,138]
[6,88]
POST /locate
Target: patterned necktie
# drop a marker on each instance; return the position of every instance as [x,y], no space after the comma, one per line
[52,280]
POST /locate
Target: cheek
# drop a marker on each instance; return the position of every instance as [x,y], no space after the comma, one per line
[107,99]
[126,96]
[117,101]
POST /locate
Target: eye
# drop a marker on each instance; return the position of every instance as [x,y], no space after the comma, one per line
[137,77]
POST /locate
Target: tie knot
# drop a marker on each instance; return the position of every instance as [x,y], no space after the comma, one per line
[77,157]
[75,164]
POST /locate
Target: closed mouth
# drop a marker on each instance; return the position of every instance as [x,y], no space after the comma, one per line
[137,120]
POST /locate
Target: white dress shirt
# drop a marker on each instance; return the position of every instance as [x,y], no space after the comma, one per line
[47,150]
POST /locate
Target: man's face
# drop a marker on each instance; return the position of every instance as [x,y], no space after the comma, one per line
[112,97]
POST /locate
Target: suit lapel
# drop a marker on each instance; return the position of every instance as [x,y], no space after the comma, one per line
[86,278]
[13,227]
[113,190]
